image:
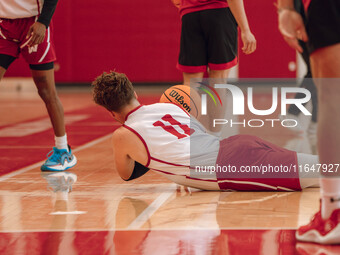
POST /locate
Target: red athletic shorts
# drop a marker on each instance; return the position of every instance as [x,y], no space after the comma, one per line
[13,41]
[248,163]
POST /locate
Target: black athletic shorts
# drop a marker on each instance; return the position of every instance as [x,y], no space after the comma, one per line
[323,23]
[208,38]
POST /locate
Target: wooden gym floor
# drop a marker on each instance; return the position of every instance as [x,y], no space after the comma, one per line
[105,215]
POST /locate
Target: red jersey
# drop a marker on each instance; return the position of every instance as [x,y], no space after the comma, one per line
[188,6]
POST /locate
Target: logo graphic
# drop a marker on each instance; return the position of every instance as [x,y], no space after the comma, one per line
[33,48]
[204,96]
[179,99]
[240,101]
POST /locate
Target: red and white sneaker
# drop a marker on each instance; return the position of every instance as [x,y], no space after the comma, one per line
[321,231]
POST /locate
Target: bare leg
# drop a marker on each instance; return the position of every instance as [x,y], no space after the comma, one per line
[44,80]
[219,74]
[308,178]
[2,72]
[188,76]
[216,112]
[326,64]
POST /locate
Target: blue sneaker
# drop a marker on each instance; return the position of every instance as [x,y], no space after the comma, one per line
[59,160]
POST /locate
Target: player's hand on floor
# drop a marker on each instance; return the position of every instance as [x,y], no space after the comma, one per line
[182,191]
[37,33]
[292,28]
[249,42]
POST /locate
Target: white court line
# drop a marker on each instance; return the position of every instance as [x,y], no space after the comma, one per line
[28,168]
[151,209]
[66,213]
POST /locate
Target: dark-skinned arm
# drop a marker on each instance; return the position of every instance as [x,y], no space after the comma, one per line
[37,31]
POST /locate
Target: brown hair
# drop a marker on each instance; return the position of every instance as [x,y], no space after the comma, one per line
[112,90]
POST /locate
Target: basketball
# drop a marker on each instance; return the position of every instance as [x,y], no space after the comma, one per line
[185,97]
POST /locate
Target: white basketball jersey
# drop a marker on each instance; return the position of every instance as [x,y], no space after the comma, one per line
[15,9]
[167,132]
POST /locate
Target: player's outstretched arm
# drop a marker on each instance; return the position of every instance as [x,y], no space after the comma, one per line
[124,146]
[248,39]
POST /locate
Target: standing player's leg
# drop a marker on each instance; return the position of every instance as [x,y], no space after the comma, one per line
[308,178]
[62,157]
[324,45]
[325,64]
[187,77]
[192,60]
[41,59]
[219,111]
[220,29]
[219,74]
[44,81]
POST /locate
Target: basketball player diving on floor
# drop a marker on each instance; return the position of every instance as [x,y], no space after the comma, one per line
[162,137]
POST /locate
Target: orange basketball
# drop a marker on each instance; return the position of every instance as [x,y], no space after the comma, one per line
[182,95]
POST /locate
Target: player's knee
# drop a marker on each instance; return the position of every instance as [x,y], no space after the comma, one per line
[40,81]
[219,74]
[46,94]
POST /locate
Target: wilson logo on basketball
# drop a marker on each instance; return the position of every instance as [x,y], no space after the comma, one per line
[180,100]
[186,98]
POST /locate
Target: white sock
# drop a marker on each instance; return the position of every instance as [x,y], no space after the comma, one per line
[61,142]
[330,196]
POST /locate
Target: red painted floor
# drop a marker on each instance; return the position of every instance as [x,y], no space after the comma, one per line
[236,242]
[27,142]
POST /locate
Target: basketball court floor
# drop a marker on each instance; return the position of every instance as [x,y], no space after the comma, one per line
[91,210]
